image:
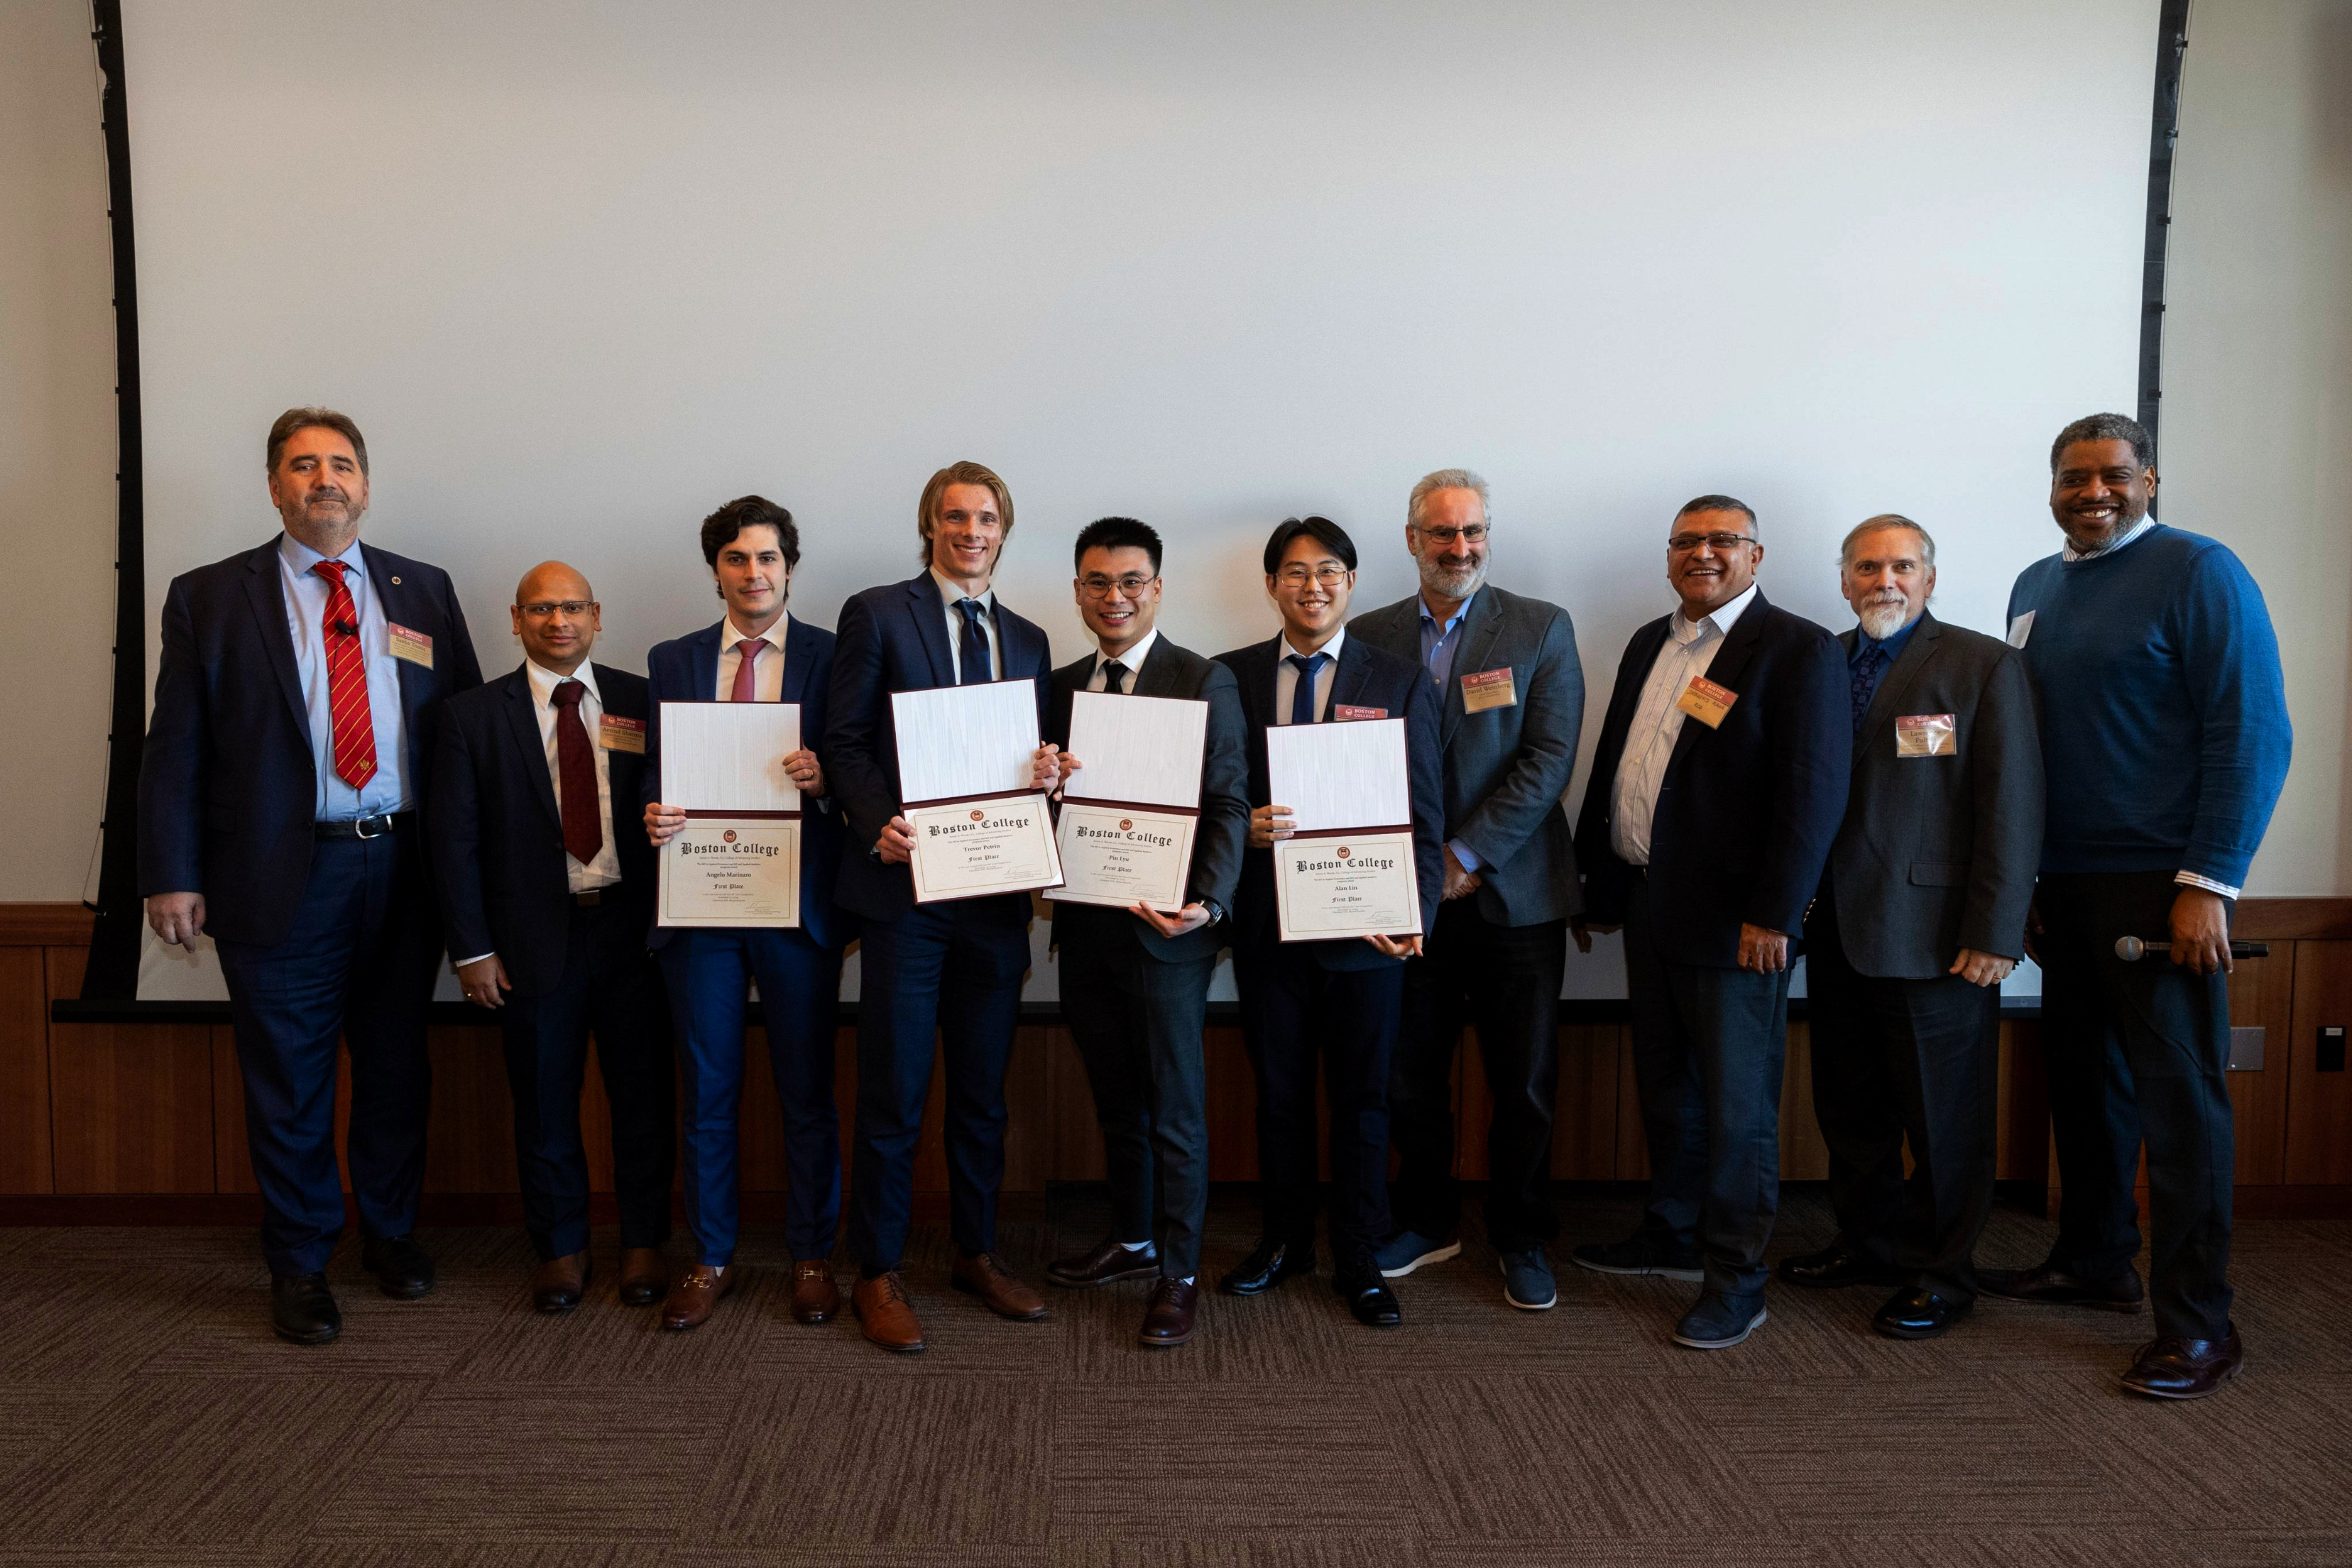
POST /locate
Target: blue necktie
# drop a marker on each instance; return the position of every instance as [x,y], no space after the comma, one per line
[1302,696]
[974,648]
[1865,682]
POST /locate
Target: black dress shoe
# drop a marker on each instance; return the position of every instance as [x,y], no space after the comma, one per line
[1270,1264]
[401,1268]
[1915,1314]
[556,1285]
[1369,1296]
[2048,1286]
[303,1309]
[1106,1263]
[1833,1268]
[2176,1368]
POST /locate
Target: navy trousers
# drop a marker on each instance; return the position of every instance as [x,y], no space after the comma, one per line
[710,974]
[358,966]
[1297,1014]
[610,985]
[941,976]
[1707,1050]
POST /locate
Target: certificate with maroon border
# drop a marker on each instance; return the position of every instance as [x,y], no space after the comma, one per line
[964,761]
[1348,868]
[737,861]
[1130,813]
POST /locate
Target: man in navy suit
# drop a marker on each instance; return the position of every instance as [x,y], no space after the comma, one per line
[1340,1002]
[950,970]
[279,795]
[1717,790]
[547,887]
[757,653]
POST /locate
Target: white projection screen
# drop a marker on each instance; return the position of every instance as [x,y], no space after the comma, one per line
[583,271]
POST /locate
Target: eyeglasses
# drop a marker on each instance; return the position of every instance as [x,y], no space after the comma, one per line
[544,609]
[1331,574]
[1098,586]
[1683,543]
[1475,534]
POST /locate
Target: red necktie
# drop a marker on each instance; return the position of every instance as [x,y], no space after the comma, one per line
[575,766]
[347,693]
[747,684]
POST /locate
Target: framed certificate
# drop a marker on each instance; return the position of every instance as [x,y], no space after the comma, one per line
[996,844]
[1129,814]
[963,774]
[1347,884]
[1123,855]
[737,861]
[1349,868]
[731,871]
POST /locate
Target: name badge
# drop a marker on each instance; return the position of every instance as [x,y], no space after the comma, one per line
[1927,735]
[1488,688]
[1706,701]
[414,647]
[623,734]
[1342,712]
[2019,629]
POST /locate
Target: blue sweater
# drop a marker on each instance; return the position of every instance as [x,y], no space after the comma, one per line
[2164,724]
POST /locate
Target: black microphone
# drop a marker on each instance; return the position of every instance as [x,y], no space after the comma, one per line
[2131,950]
[347,629]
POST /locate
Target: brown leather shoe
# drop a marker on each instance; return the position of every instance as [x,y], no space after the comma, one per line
[2178,1368]
[1004,1295]
[885,1314]
[556,1284]
[694,1294]
[1106,1262]
[645,1275]
[815,1297]
[2048,1286]
[1168,1320]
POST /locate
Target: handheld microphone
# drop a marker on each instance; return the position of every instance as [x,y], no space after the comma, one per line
[2131,950]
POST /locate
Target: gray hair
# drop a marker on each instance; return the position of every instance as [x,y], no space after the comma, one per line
[1887,519]
[2106,427]
[1445,480]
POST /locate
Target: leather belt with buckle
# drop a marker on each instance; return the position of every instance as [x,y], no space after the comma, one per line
[588,900]
[366,826]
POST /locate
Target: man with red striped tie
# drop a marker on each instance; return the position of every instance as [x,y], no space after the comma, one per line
[284,772]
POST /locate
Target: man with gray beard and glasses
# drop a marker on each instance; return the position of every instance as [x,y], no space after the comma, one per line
[1920,917]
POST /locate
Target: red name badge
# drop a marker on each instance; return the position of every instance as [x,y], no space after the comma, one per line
[1341,712]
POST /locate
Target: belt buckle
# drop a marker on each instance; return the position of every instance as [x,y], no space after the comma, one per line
[359,827]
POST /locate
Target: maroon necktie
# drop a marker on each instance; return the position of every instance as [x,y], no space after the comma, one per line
[575,766]
[747,683]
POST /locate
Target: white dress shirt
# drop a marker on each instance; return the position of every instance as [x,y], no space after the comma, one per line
[1132,658]
[1286,678]
[950,591]
[767,675]
[1688,653]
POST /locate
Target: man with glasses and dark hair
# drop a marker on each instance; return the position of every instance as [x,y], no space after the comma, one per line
[757,653]
[1716,788]
[547,889]
[1135,981]
[1510,694]
[2164,732]
[1333,1002]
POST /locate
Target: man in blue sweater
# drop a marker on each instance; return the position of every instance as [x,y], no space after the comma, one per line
[2165,735]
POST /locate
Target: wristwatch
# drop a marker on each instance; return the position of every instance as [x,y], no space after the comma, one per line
[1215,911]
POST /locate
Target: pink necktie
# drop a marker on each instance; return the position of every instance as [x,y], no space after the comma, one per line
[747,684]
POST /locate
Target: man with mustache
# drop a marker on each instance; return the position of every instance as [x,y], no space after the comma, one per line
[2164,725]
[1920,917]
[279,792]
[1510,690]
[1716,787]
[547,889]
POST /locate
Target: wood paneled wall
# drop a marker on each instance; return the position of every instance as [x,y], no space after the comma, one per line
[150,1108]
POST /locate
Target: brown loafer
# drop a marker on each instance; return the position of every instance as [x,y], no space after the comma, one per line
[1106,1263]
[556,1284]
[884,1313]
[2178,1368]
[694,1294]
[1168,1320]
[645,1275]
[815,1297]
[998,1291]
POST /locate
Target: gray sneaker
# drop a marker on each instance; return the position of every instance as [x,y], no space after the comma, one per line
[1526,1280]
[1408,1250]
[1719,1322]
[1639,1253]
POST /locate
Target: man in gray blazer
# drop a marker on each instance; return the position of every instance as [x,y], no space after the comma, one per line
[1135,981]
[1921,915]
[1512,689]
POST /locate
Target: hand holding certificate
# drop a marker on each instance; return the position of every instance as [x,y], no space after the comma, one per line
[1346,868]
[967,760]
[1130,811]
[737,860]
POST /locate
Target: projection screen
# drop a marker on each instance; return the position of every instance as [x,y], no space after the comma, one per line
[583,271]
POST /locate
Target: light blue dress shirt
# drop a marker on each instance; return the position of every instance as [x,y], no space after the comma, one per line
[1438,645]
[306,613]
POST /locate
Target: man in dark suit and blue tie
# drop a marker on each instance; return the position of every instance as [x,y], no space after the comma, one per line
[280,790]
[547,887]
[1333,1002]
[946,971]
[757,653]
[1717,786]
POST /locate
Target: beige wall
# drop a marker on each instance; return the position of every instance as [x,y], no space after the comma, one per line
[56,449]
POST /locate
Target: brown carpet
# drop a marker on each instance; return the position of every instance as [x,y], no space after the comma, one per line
[147,1416]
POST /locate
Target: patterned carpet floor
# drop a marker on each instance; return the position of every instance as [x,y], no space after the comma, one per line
[147,1416]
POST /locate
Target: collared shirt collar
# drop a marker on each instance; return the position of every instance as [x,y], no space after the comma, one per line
[951,590]
[543,680]
[1864,642]
[1429,616]
[2070,553]
[1133,657]
[773,637]
[1723,617]
[1329,648]
[302,557]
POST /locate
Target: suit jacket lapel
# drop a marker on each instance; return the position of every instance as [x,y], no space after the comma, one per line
[702,662]
[1897,681]
[1257,683]
[1157,677]
[930,625]
[1348,680]
[1730,662]
[266,594]
[418,685]
[1480,628]
[800,652]
[523,725]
